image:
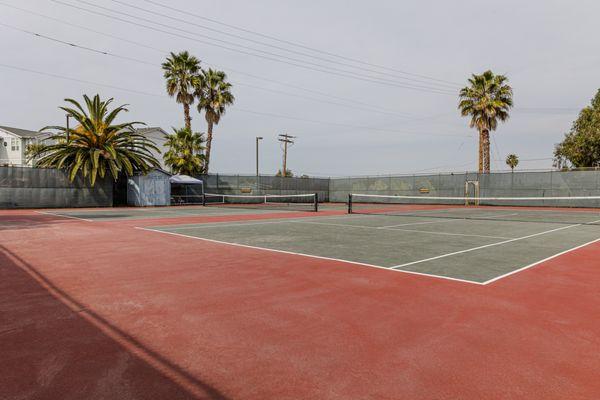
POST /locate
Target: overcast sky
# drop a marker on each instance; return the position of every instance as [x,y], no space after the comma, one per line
[367,87]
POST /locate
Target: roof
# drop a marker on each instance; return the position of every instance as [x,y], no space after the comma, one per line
[185,179]
[151,129]
[24,133]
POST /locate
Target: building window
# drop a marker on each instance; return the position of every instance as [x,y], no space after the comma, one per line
[14,144]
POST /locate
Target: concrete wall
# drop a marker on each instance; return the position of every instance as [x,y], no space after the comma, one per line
[24,187]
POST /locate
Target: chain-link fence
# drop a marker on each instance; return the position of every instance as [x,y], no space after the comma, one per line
[499,184]
[34,187]
[265,184]
[24,187]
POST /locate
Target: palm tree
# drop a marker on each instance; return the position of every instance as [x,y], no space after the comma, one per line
[96,145]
[486,100]
[214,95]
[182,73]
[512,160]
[288,173]
[185,152]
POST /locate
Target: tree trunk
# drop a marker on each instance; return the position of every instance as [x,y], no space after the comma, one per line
[186,116]
[208,146]
[480,151]
[486,151]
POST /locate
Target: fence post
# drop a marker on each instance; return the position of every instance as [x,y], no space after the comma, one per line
[349,203]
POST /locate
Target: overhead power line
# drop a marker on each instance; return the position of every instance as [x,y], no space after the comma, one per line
[163,96]
[286,49]
[244,50]
[262,78]
[58,76]
[188,13]
[52,39]
[106,53]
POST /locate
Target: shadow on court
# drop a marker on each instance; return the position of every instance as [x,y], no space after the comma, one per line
[17,221]
[54,348]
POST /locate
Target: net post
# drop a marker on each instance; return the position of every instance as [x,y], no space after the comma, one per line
[203,199]
[349,203]
[316,202]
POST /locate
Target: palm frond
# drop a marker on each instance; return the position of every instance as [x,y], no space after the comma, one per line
[96,144]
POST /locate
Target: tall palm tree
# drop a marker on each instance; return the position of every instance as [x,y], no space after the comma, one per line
[214,96]
[96,145]
[185,152]
[182,75]
[486,100]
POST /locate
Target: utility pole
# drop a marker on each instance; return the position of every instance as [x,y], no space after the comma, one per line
[257,139]
[257,174]
[287,140]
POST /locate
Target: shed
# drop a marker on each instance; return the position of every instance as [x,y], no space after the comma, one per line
[152,189]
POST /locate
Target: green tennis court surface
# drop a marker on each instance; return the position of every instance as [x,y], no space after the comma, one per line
[475,245]
[113,214]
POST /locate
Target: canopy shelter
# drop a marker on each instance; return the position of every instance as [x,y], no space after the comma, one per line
[186,190]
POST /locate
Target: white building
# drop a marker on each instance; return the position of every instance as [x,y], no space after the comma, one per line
[157,135]
[14,142]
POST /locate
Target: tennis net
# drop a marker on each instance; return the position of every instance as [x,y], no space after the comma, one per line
[583,210]
[292,202]
[186,199]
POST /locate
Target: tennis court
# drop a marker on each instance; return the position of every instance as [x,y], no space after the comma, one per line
[412,300]
[473,244]
[115,214]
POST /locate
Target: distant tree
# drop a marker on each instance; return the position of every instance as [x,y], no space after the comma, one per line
[214,96]
[486,100]
[96,145]
[288,173]
[182,75]
[581,146]
[512,160]
[185,152]
[304,176]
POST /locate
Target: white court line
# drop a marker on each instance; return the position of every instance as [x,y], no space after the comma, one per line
[492,216]
[540,261]
[221,225]
[409,213]
[422,223]
[311,256]
[449,233]
[310,221]
[64,216]
[451,219]
[490,245]
[400,230]
[197,225]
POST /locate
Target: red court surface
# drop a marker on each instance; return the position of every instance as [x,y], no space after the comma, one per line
[102,310]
